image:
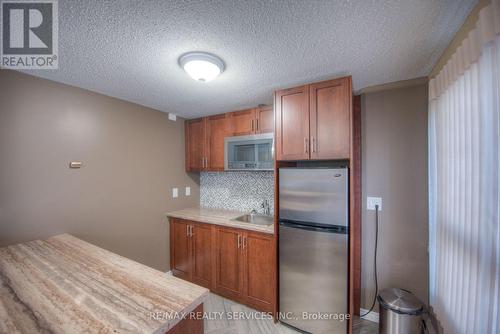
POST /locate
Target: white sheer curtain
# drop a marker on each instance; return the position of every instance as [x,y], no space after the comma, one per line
[464,123]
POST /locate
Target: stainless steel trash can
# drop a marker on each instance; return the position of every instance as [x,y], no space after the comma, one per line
[400,312]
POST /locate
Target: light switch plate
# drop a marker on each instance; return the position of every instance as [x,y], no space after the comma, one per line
[175,192]
[372,201]
[188,191]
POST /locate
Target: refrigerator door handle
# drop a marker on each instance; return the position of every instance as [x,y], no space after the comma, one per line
[330,229]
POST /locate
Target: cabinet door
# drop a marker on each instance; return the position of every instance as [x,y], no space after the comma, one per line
[292,123]
[330,111]
[229,266]
[201,241]
[180,250]
[195,144]
[260,270]
[218,127]
[265,120]
[243,122]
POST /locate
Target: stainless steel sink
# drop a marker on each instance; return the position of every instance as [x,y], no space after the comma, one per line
[255,219]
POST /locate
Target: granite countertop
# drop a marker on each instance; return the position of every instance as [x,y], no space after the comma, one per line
[219,217]
[66,285]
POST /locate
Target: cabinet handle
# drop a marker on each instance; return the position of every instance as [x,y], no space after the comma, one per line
[187,230]
[257,124]
[191,231]
[253,129]
[244,242]
[313,144]
[306,149]
[239,240]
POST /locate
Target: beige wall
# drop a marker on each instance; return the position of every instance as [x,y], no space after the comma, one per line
[132,158]
[394,167]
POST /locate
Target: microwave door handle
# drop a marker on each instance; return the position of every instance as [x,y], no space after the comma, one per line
[272,149]
[256,152]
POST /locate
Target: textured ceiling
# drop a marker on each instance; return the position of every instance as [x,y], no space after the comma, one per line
[129,49]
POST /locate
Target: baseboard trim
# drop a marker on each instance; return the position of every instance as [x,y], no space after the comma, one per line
[372,316]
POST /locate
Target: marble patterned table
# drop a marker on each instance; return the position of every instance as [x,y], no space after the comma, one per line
[66,285]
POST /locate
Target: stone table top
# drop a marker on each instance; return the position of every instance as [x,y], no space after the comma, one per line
[66,285]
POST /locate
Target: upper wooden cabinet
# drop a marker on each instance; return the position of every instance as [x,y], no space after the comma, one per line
[264,118]
[252,121]
[313,121]
[243,122]
[205,136]
[330,117]
[292,123]
[218,127]
[195,133]
[205,142]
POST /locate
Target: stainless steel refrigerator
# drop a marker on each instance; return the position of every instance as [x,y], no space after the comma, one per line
[313,248]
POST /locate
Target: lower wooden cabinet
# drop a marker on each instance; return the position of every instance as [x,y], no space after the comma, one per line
[201,245]
[229,262]
[180,249]
[234,263]
[259,270]
[190,251]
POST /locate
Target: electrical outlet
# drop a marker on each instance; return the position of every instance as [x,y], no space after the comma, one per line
[175,192]
[372,201]
[188,191]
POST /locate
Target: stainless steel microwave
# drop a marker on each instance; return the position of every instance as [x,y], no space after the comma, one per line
[255,152]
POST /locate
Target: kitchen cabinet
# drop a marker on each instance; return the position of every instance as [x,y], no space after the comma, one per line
[201,246]
[234,263]
[313,121]
[218,127]
[180,249]
[229,262]
[252,121]
[204,137]
[330,112]
[292,123]
[243,122]
[190,251]
[195,142]
[259,271]
[264,119]
[246,267]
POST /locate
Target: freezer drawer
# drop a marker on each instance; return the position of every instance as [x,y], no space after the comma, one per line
[316,195]
[313,278]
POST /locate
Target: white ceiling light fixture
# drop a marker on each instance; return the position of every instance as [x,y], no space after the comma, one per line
[201,66]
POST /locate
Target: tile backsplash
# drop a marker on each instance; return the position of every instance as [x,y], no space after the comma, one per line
[241,191]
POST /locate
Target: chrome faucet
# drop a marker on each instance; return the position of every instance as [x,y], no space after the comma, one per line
[265,206]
